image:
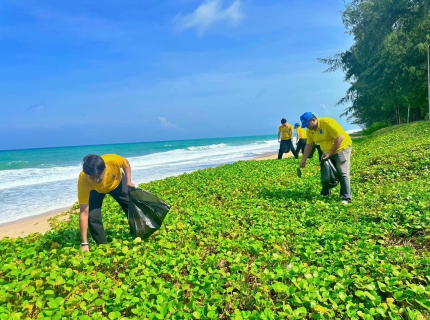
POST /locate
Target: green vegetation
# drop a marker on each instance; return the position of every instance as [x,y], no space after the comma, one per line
[374,127]
[386,66]
[247,240]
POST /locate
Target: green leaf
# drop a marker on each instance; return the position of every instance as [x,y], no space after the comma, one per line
[359,293]
[342,295]
[53,304]
[399,296]
[49,292]
[114,315]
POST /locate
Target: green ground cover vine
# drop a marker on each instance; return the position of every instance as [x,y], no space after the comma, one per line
[247,240]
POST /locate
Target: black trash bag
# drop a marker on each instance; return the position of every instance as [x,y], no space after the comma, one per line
[285,146]
[329,175]
[146,212]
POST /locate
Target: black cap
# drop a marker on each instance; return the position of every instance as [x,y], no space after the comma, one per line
[283,120]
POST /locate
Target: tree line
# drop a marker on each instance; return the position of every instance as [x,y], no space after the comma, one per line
[386,66]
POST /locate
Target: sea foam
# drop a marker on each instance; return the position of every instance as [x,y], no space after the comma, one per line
[31,191]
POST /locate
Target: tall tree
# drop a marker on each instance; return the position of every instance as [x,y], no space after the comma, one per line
[386,65]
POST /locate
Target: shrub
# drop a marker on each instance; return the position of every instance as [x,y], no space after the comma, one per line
[374,127]
[247,240]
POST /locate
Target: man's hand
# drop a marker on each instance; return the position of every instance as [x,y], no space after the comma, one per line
[85,249]
[279,141]
[127,172]
[325,156]
[302,163]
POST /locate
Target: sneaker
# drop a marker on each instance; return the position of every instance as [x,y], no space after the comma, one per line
[346,201]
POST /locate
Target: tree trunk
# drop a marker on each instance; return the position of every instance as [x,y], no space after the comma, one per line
[397,111]
[409,108]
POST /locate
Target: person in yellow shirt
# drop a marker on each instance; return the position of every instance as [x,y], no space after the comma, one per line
[336,145]
[285,138]
[101,175]
[300,138]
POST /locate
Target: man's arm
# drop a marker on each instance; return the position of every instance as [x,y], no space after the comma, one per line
[83,225]
[306,153]
[127,172]
[335,146]
[279,135]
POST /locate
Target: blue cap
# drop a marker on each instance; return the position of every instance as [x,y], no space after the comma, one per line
[297,125]
[305,118]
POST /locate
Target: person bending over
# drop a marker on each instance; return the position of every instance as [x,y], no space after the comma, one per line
[101,175]
[335,143]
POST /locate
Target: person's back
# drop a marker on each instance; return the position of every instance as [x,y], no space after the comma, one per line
[326,133]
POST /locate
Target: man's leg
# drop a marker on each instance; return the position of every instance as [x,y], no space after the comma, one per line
[311,155]
[280,152]
[120,194]
[320,152]
[298,146]
[293,150]
[301,146]
[324,192]
[342,161]
[95,222]
[281,149]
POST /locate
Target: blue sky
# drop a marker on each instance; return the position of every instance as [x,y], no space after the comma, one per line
[96,72]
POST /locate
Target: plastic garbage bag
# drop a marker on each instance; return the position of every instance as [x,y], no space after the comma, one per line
[286,148]
[146,212]
[329,175]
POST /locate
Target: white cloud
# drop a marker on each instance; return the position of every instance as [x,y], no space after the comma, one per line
[209,13]
[167,125]
[325,110]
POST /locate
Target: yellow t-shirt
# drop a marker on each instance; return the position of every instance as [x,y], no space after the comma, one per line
[301,133]
[328,130]
[286,132]
[111,180]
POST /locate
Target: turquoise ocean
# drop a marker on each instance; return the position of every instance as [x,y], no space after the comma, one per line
[36,181]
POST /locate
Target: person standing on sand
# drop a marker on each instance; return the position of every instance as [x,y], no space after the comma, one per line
[285,138]
[101,175]
[336,145]
[300,139]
